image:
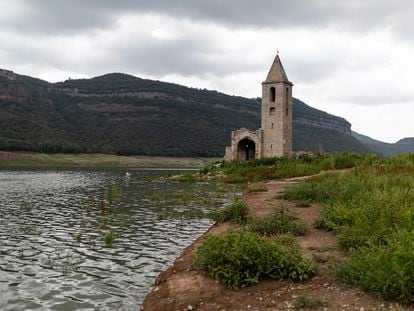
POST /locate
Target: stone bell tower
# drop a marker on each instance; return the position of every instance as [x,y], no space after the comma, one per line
[274,138]
[277,112]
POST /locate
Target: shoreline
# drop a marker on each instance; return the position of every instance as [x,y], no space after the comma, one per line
[184,287]
[11,159]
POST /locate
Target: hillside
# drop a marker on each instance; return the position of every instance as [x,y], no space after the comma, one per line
[123,114]
[386,149]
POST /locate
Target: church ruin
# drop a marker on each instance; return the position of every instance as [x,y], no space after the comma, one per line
[274,138]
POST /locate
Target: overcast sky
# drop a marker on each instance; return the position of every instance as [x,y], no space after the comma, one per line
[352,58]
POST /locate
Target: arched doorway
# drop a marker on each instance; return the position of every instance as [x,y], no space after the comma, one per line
[246,150]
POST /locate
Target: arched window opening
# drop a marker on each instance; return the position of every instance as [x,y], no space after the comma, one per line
[272,94]
[287,111]
[272,111]
[272,126]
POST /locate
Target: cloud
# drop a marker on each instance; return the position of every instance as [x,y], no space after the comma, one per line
[339,54]
[54,16]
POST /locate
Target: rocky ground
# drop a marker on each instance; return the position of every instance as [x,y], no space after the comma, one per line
[183,287]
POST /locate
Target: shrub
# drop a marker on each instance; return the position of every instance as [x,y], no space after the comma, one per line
[281,220]
[235,212]
[242,258]
[387,269]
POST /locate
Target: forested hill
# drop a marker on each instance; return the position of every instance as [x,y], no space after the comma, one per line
[123,114]
[387,149]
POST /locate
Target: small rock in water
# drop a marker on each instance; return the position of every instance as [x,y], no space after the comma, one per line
[190,308]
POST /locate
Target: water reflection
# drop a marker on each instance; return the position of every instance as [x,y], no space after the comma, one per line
[92,240]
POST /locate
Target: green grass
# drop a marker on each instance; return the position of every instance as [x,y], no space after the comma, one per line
[235,212]
[280,168]
[243,258]
[387,269]
[280,221]
[309,302]
[372,211]
[109,238]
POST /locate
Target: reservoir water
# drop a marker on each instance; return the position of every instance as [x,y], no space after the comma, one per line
[93,239]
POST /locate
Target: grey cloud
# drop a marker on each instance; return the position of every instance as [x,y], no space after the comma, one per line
[55,16]
[311,71]
[186,56]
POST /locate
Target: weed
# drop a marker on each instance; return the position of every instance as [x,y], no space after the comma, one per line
[78,237]
[109,238]
[235,212]
[242,258]
[372,210]
[308,302]
[281,220]
[157,197]
[387,269]
[26,206]
[27,229]
[279,168]
[185,196]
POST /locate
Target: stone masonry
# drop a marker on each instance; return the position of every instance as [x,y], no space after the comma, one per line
[274,138]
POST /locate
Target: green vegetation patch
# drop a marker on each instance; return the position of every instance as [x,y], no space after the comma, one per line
[235,212]
[308,302]
[243,258]
[280,221]
[372,211]
[386,269]
[279,168]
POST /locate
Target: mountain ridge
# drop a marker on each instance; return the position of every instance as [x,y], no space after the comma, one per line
[124,114]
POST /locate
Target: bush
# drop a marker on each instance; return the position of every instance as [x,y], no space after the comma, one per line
[235,212]
[386,269]
[243,258]
[280,221]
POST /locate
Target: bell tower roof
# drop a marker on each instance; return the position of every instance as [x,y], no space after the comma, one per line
[277,72]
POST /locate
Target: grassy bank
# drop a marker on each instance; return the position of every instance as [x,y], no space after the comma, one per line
[242,172]
[22,159]
[372,210]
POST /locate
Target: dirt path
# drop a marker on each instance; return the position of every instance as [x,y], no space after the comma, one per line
[182,287]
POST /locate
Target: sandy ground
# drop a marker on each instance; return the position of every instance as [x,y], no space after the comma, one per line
[183,287]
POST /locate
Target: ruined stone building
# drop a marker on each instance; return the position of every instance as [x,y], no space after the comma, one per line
[274,138]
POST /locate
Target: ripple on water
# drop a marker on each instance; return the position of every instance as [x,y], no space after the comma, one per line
[54,225]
